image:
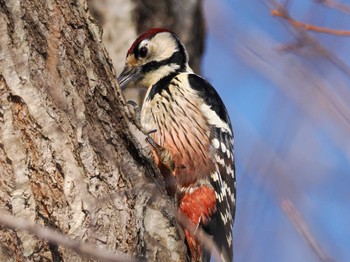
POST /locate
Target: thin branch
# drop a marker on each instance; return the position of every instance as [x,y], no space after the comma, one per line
[303,229]
[303,35]
[318,29]
[335,5]
[305,39]
[58,238]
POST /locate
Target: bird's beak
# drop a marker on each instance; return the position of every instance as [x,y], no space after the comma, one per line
[129,74]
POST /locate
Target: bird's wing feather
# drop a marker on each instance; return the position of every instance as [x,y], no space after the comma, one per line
[223,177]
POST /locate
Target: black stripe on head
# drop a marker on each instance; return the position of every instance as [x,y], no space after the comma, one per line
[178,58]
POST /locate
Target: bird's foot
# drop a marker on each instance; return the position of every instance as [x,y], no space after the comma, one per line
[136,120]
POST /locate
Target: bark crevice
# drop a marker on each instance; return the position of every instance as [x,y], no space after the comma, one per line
[68,159]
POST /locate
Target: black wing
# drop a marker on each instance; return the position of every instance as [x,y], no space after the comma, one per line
[223,178]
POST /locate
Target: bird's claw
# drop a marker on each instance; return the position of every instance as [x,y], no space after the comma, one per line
[137,117]
[163,154]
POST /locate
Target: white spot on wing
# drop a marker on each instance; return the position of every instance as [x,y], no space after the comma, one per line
[215,176]
[224,218]
[229,193]
[223,148]
[218,197]
[224,188]
[219,160]
[229,170]
[229,238]
[233,200]
[229,215]
[215,143]
[228,154]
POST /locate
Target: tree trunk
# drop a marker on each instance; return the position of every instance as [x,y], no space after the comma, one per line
[67,157]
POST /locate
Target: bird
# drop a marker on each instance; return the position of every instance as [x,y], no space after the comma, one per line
[190,136]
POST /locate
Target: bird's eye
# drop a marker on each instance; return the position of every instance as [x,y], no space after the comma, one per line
[143,52]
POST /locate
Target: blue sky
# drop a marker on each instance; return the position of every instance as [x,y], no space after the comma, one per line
[290,111]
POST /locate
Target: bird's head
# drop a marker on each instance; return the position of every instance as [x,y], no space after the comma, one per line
[154,55]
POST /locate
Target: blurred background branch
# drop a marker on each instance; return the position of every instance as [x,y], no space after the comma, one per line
[287,89]
[303,229]
[335,5]
[282,13]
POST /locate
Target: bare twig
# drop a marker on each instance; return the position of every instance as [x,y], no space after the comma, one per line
[305,39]
[53,236]
[318,29]
[303,229]
[335,5]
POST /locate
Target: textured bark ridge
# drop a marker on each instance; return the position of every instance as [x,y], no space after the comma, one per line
[67,158]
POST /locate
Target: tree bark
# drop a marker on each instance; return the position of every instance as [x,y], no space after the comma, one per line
[68,160]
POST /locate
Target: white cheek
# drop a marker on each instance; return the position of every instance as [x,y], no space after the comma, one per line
[154,76]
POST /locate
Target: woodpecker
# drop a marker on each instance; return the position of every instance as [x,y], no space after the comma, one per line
[192,140]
